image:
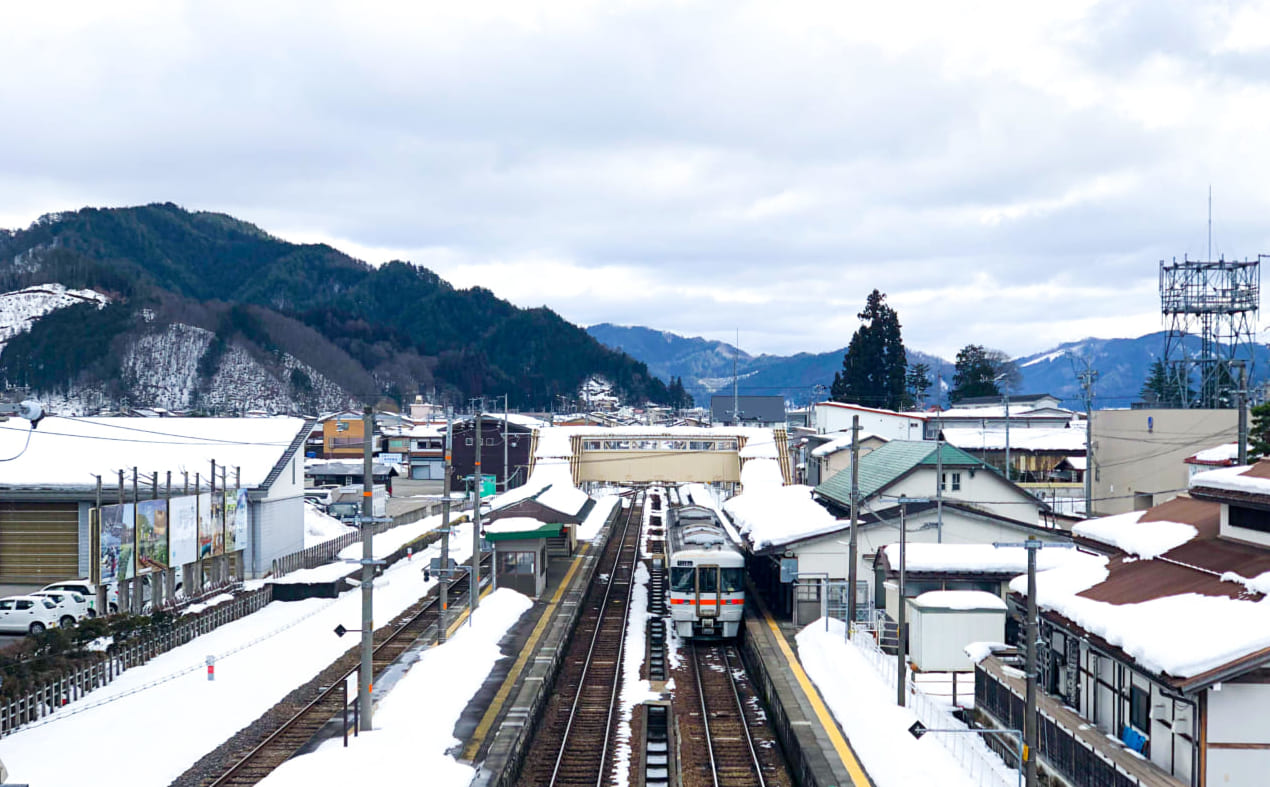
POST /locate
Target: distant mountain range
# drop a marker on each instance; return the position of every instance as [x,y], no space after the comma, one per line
[159,306]
[706,366]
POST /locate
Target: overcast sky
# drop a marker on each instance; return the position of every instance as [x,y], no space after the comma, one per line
[1009,176]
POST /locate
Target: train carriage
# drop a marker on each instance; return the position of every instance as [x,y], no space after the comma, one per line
[707,576]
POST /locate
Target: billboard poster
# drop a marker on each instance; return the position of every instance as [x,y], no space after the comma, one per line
[116,542]
[183,522]
[206,526]
[152,535]
[236,520]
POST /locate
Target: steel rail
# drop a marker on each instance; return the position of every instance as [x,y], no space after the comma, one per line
[728,654]
[326,695]
[586,667]
[705,715]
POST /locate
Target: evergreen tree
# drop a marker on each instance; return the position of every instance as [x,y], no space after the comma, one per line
[874,368]
[1259,432]
[917,383]
[975,374]
[1162,389]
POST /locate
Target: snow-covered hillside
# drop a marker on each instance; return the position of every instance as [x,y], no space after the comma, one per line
[21,308]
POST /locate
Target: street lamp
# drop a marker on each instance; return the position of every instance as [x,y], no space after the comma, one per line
[917,730]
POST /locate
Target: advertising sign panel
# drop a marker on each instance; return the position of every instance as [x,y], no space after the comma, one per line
[235,520]
[117,542]
[183,519]
[152,535]
[208,523]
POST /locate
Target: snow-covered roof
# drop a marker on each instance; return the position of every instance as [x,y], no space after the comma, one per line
[1019,411]
[1241,478]
[962,600]
[1141,539]
[769,515]
[1078,462]
[1036,438]
[971,558]
[513,524]
[1226,454]
[841,441]
[66,453]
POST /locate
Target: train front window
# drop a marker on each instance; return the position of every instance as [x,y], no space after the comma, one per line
[732,580]
[708,580]
[681,579]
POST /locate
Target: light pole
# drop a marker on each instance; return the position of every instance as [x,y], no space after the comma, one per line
[917,730]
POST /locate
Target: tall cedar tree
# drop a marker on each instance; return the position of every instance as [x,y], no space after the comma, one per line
[1162,389]
[917,383]
[875,365]
[974,374]
[1259,432]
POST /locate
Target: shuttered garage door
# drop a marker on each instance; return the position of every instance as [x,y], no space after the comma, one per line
[38,541]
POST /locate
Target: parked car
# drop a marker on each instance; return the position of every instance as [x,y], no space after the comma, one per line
[86,589]
[27,614]
[71,607]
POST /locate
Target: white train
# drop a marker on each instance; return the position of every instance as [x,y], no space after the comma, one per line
[707,575]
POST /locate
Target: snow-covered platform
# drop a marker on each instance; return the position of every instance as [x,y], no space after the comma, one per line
[815,748]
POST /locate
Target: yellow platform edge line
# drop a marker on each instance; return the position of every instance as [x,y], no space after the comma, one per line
[858,777]
[500,697]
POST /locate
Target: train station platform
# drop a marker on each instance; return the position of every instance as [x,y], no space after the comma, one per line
[817,752]
[497,724]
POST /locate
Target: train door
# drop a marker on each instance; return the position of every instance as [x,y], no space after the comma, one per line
[708,592]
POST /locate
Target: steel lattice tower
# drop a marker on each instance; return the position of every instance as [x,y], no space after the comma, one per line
[1210,309]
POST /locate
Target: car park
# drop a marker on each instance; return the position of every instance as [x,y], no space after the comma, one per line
[71,607]
[27,614]
[89,591]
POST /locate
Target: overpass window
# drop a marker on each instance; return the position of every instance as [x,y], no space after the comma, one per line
[681,579]
[733,580]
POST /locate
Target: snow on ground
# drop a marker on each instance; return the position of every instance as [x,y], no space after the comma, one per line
[595,520]
[170,705]
[1143,539]
[635,690]
[865,708]
[320,527]
[414,723]
[208,604]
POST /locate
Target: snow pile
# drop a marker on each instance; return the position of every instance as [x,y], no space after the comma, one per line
[1232,479]
[201,606]
[865,708]
[959,600]
[772,515]
[974,558]
[595,520]
[1258,584]
[978,651]
[1130,535]
[1218,629]
[761,472]
[20,309]
[319,527]
[635,690]
[418,716]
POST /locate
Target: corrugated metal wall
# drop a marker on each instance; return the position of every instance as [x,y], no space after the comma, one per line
[39,542]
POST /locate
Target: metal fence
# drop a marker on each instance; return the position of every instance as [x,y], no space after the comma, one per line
[979,762]
[56,693]
[325,552]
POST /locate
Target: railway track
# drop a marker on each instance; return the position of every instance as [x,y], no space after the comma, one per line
[724,737]
[571,746]
[295,732]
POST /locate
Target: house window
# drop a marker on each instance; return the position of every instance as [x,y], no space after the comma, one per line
[469,441]
[1140,708]
[956,482]
[1250,518]
[341,426]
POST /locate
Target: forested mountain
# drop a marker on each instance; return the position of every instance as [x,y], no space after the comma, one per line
[297,311]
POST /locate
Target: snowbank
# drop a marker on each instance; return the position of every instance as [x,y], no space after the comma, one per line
[865,708]
[1143,539]
[595,520]
[414,723]
[320,527]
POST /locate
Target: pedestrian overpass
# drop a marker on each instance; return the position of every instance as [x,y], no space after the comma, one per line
[635,455]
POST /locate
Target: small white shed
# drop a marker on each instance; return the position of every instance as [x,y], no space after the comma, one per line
[943,622]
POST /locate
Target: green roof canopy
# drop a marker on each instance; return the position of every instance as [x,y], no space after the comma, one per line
[543,530]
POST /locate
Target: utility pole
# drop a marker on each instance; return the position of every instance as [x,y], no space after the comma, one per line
[507,475]
[1242,399]
[364,675]
[1087,377]
[736,399]
[474,590]
[1032,641]
[939,459]
[1008,469]
[901,641]
[445,529]
[853,549]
